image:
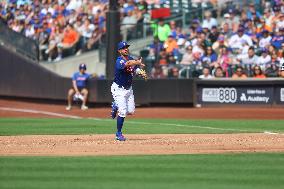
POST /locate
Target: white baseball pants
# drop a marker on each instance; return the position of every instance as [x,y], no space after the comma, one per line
[124,99]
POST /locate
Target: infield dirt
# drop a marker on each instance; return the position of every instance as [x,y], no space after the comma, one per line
[82,145]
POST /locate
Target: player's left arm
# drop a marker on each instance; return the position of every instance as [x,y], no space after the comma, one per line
[140,71]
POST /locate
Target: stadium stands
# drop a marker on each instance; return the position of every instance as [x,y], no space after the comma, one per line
[226,36]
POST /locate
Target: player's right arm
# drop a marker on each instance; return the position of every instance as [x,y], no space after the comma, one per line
[122,63]
[137,62]
[74,83]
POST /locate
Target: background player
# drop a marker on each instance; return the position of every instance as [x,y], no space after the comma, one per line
[79,87]
[125,68]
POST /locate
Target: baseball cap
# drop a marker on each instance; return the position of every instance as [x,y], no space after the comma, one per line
[264,31]
[276,8]
[264,50]
[121,45]
[82,66]
[241,29]
[230,11]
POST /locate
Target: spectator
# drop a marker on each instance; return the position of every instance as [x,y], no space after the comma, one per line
[128,24]
[206,73]
[224,61]
[234,20]
[68,44]
[93,42]
[187,57]
[197,64]
[157,72]
[213,35]
[278,38]
[239,74]
[218,72]
[209,22]
[161,30]
[263,26]
[154,50]
[248,60]
[264,60]
[267,16]
[220,43]
[272,70]
[252,12]
[210,57]
[86,31]
[226,31]
[257,73]
[55,38]
[198,46]
[236,40]
[264,42]
[173,73]
[79,87]
[170,45]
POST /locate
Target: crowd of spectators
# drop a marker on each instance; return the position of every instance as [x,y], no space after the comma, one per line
[245,43]
[62,27]
[67,27]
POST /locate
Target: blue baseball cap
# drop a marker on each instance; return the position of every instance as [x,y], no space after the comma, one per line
[82,66]
[121,45]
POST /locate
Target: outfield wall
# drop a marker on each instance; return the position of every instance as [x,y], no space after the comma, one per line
[248,92]
[21,77]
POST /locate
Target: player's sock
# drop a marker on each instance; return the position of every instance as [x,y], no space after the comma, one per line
[119,123]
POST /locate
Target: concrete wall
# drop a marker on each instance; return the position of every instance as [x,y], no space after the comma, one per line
[67,66]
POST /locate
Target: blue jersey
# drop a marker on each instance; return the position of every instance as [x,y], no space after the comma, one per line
[123,75]
[81,79]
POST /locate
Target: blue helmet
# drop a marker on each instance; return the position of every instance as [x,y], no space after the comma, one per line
[82,66]
[121,45]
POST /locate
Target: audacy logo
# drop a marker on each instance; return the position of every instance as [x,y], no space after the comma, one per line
[243,97]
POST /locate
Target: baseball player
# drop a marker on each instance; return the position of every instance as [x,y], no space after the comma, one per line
[79,87]
[125,68]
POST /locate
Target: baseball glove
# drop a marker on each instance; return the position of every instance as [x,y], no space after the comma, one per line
[142,73]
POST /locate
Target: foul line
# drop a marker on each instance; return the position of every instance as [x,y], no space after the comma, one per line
[179,125]
[40,112]
[134,122]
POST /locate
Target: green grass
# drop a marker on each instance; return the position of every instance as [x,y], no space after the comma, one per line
[28,126]
[237,171]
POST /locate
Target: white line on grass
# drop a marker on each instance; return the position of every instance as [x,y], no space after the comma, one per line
[134,122]
[179,125]
[40,112]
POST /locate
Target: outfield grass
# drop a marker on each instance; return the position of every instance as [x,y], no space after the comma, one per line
[237,171]
[28,126]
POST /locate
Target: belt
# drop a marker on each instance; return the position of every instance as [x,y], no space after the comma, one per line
[123,87]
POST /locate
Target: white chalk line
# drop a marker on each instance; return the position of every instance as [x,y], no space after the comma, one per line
[191,126]
[134,122]
[39,112]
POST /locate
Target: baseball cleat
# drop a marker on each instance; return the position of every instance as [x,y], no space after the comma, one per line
[68,108]
[114,109]
[120,137]
[83,107]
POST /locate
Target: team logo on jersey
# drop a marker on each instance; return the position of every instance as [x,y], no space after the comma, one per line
[121,61]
